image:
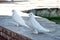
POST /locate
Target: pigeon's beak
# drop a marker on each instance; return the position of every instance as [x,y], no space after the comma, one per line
[12,10]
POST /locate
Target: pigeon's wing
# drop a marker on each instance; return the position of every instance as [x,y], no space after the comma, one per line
[36,25]
[18,19]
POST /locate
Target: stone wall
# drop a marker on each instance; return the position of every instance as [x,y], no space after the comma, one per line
[10,35]
[52,12]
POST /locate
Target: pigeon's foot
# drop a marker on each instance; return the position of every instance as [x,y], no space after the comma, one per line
[35,32]
[14,23]
[47,31]
[27,26]
[44,31]
[17,25]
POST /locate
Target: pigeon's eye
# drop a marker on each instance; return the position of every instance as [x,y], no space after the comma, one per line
[31,14]
[12,10]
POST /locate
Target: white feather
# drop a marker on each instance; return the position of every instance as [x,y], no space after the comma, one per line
[18,19]
[36,25]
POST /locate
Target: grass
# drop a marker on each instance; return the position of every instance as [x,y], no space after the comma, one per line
[55,19]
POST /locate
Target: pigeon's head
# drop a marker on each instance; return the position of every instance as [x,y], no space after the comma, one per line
[13,10]
[30,14]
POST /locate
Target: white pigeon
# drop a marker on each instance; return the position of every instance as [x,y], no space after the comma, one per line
[18,19]
[36,26]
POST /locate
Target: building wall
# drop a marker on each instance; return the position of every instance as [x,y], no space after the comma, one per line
[5,0]
[13,0]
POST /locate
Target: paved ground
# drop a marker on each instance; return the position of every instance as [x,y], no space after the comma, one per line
[5,21]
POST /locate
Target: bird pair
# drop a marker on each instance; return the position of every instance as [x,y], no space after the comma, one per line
[35,25]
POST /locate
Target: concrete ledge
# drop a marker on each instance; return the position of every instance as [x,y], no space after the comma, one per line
[23,33]
[8,34]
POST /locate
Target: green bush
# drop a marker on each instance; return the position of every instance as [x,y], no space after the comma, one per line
[55,19]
